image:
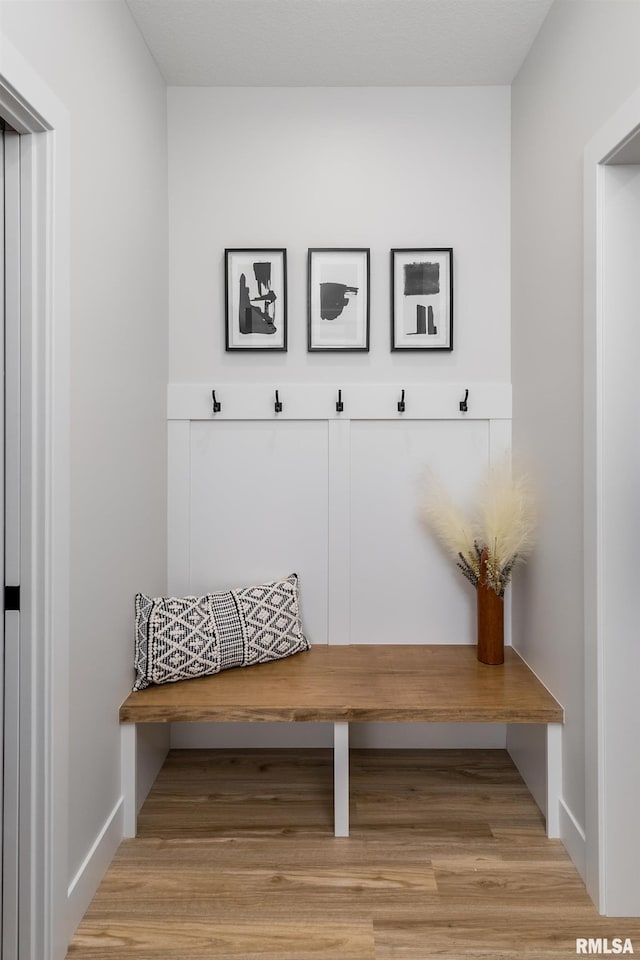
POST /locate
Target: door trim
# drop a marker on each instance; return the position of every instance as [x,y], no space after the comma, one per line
[33,110]
[612,137]
[11,463]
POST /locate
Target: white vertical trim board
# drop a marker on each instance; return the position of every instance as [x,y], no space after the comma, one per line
[179,506]
[2,577]
[593,627]
[85,883]
[341,779]
[143,750]
[15,171]
[129,777]
[500,440]
[339,599]
[604,449]
[554,778]
[33,110]
[15,667]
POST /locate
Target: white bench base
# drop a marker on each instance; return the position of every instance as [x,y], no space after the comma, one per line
[129,766]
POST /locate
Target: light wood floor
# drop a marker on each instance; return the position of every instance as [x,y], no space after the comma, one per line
[235,860]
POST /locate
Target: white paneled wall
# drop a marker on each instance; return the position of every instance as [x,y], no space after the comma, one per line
[255,495]
[390,169]
[259,509]
[403,590]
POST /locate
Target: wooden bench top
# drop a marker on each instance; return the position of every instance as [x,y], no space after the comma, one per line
[433,683]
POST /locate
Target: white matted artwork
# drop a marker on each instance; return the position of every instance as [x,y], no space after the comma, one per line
[255,299]
[422,299]
[338,299]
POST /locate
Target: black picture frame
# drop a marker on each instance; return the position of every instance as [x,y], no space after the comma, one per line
[258,322]
[422,278]
[345,298]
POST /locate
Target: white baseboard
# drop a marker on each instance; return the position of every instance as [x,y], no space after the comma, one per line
[93,868]
[574,839]
[397,736]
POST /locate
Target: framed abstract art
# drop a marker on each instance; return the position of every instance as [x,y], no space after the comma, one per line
[256,299]
[338,299]
[422,299]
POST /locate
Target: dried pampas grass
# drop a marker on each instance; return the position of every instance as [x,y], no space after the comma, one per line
[506,519]
[503,525]
[455,532]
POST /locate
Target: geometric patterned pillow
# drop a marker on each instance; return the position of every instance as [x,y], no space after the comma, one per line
[182,638]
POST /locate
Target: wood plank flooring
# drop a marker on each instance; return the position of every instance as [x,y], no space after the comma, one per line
[235,860]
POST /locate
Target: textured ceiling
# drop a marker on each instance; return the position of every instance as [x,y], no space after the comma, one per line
[339,42]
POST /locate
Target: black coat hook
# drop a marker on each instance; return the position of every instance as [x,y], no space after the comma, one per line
[464,407]
[217,406]
[339,403]
[277,405]
[401,405]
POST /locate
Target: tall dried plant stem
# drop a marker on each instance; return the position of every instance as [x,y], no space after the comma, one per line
[452,529]
[504,526]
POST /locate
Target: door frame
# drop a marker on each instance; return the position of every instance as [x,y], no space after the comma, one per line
[618,131]
[11,540]
[32,109]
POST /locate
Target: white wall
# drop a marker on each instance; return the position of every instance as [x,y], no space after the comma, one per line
[299,168]
[583,64]
[93,58]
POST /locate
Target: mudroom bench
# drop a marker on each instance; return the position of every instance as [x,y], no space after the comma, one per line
[343,684]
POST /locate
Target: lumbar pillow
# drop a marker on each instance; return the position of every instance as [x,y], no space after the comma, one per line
[180,638]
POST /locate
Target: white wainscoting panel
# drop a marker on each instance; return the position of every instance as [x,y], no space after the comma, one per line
[259,509]
[362,736]
[404,588]
[333,496]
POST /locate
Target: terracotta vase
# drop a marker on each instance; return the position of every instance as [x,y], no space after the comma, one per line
[490,619]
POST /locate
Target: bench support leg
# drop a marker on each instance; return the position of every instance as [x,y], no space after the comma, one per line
[341,779]
[554,778]
[128,776]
